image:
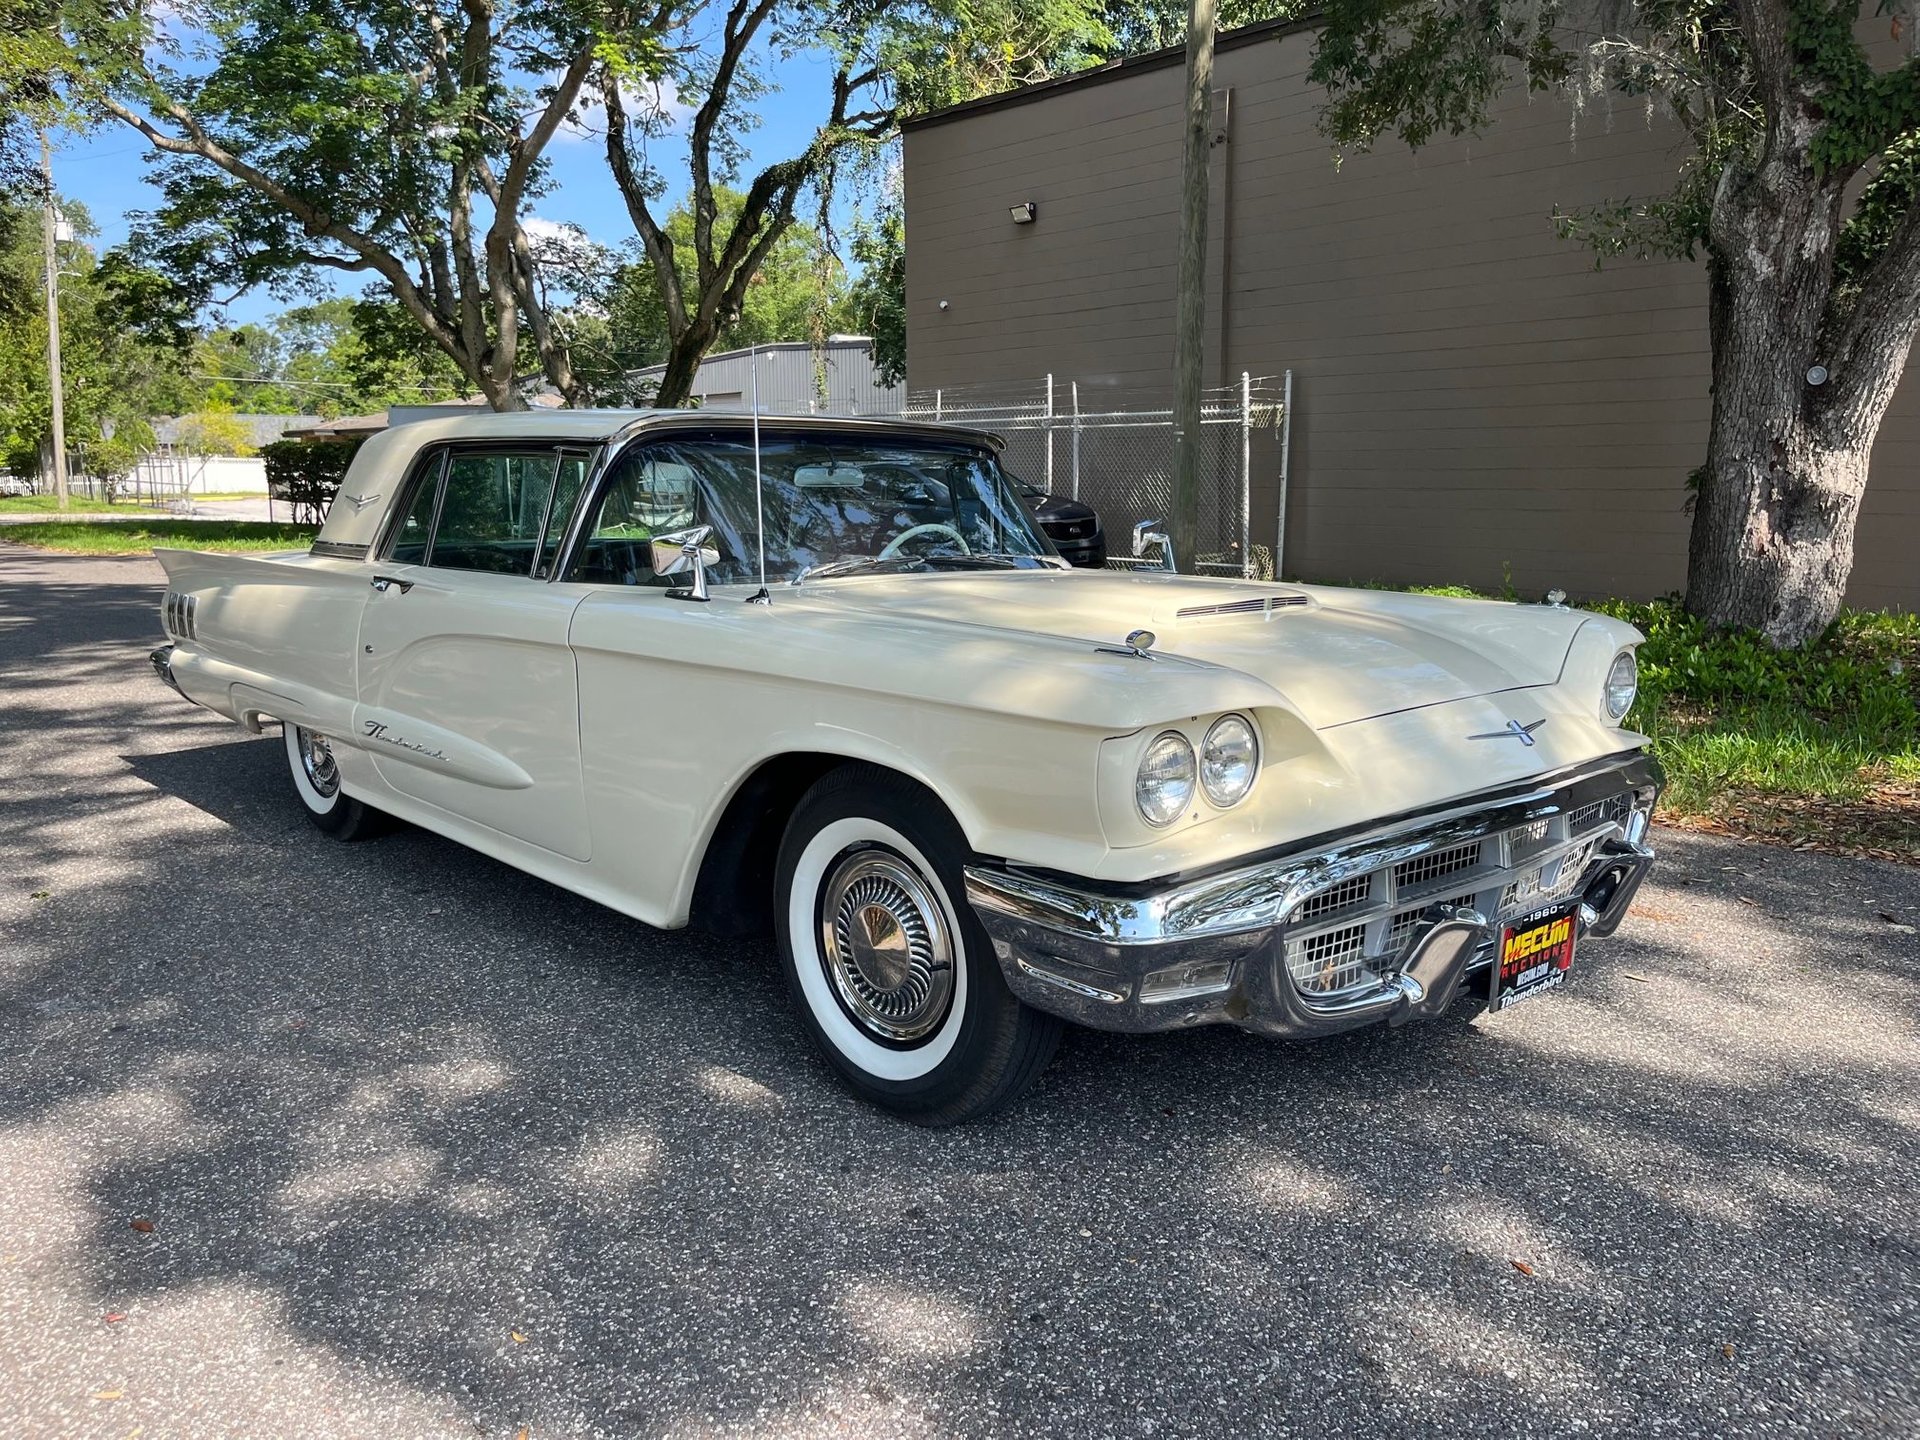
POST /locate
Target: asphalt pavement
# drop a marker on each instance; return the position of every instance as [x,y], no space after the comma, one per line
[386,1139]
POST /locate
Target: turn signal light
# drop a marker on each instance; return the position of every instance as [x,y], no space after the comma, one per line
[1183,982]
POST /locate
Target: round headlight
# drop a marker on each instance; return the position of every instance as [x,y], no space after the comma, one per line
[1623,683]
[1164,786]
[1229,759]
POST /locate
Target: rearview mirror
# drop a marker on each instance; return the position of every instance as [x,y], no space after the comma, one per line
[682,551]
[829,477]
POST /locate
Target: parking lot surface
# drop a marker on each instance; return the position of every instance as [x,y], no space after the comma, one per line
[417,1145]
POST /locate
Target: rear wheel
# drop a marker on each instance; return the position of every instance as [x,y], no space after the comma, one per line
[890,971]
[316,780]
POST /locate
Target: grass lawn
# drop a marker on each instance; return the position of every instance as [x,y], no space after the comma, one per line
[76,505]
[137,537]
[1817,748]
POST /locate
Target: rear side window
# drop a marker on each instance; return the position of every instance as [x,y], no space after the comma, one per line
[410,540]
[492,512]
[499,510]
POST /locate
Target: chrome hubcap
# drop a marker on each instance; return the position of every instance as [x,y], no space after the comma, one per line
[316,758]
[885,945]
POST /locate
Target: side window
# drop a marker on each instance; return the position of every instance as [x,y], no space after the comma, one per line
[409,545]
[650,494]
[492,511]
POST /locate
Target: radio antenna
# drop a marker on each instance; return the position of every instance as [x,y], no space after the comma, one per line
[762,597]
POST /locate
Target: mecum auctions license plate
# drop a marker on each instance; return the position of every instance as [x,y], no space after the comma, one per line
[1535,954]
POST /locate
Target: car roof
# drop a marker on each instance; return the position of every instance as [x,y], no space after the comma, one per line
[372,482]
[610,424]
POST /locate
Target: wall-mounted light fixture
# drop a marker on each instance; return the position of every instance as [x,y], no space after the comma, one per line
[1023,213]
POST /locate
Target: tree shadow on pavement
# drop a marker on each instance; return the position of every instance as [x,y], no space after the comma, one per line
[430,1145]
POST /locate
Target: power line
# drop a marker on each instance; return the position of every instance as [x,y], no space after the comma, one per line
[304,384]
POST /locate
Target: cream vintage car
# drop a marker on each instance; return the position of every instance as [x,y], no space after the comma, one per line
[825,679]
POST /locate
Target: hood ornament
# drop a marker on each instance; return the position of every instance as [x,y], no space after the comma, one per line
[1514,731]
[1139,644]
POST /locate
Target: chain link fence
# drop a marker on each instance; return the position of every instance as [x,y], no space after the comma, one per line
[1114,450]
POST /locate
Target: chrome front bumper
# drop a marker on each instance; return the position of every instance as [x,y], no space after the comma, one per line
[1243,946]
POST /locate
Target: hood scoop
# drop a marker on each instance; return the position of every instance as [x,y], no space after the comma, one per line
[1261,605]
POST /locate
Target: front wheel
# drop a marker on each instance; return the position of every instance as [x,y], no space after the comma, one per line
[316,780]
[891,973]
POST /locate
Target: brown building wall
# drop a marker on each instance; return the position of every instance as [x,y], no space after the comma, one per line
[1473,399]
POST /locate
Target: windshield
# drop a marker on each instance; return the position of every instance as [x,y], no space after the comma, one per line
[845,501]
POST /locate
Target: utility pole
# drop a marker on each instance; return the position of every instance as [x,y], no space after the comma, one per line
[49,233]
[1191,315]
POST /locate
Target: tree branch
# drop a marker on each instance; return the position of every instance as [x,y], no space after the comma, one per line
[653,238]
[743,21]
[315,221]
[1868,351]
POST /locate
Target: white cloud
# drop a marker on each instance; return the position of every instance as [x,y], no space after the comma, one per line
[658,102]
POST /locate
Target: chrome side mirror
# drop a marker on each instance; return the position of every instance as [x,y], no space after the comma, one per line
[682,551]
[1146,533]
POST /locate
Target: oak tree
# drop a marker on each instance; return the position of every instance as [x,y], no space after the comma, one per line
[1800,184]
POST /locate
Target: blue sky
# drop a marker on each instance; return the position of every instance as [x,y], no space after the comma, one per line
[106,171]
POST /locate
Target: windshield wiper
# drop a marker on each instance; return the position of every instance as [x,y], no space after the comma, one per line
[854,563]
[936,560]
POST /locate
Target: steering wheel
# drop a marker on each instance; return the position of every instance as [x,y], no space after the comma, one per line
[892,547]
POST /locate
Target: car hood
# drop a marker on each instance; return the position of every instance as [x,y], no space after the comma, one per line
[1335,656]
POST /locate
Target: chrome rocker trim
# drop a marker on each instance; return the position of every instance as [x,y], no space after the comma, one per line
[1213,949]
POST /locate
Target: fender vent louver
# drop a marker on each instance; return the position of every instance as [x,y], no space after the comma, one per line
[179,611]
[1263,605]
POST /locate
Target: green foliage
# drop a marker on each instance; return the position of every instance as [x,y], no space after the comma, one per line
[307,473]
[1864,671]
[1426,68]
[799,293]
[877,299]
[1142,25]
[1741,726]
[216,432]
[115,374]
[337,356]
[941,55]
[1862,111]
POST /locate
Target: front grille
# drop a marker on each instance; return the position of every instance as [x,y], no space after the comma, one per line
[1330,961]
[1413,874]
[1353,932]
[1343,896]
[1611,811]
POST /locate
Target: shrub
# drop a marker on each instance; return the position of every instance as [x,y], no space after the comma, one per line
[307,473]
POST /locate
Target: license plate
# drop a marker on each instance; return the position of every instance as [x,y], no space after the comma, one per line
[1535,953]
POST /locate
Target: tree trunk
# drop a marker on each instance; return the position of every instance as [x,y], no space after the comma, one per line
[683,363]
[1773,522]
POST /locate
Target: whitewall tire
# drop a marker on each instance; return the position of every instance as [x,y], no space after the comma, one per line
[890,972]
[316,780]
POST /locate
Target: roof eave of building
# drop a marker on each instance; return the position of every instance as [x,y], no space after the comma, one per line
[1113,70]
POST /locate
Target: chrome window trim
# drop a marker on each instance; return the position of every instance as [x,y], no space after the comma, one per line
[659,426]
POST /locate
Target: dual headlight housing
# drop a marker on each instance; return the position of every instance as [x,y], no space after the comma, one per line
[1171,770]
[1623,684]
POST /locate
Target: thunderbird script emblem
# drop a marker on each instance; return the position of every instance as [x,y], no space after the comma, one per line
[1514,731]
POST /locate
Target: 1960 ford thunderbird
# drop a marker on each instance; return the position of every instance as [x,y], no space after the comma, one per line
[826,679]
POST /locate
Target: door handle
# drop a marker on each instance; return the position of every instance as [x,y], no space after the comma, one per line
[384,583]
